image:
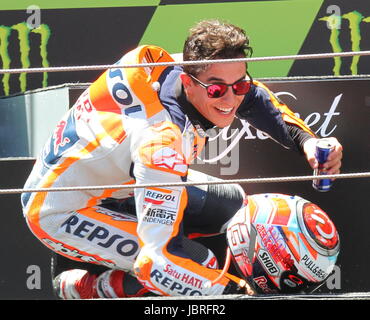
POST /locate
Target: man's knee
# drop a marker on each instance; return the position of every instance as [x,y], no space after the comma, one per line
[212,206]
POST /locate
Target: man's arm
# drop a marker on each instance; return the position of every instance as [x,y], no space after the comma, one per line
[263,110]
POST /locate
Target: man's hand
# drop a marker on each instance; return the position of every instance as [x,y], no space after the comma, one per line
[334,162]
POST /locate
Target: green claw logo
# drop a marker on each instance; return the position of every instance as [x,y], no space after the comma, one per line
[24,34]
[334,22]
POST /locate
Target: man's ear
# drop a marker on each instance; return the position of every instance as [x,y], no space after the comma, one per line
[186,80]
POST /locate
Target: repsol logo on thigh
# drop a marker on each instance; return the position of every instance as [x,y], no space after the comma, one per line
[173,285]
[102,236]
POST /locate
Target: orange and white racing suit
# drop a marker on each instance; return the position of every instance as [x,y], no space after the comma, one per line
[134,126]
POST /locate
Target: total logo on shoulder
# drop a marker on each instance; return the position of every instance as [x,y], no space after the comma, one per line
[167,198]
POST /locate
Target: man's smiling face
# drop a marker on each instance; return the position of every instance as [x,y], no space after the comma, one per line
[220,111]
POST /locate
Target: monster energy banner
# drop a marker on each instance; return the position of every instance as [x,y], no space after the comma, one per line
[75,33]
[339,26]
[24,36]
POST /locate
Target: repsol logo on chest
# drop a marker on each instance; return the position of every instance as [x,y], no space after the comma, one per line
[166,199]
[159,196]
[103,237]
[268,263]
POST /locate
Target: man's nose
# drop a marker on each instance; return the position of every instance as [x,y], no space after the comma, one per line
[229,97]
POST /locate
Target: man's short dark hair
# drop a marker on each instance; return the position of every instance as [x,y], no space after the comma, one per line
[214,39]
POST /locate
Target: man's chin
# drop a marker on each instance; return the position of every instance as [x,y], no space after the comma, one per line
[225,123]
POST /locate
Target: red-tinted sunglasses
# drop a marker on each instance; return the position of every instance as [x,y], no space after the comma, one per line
[217,90]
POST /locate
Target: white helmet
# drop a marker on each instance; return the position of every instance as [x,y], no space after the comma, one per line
[283,244]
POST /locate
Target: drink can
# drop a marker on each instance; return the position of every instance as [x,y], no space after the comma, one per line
[323,149]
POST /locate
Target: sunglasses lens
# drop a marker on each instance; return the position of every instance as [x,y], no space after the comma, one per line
[216,90]
[241,87]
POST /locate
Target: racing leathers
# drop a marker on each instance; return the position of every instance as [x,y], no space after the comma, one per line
[135,126]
